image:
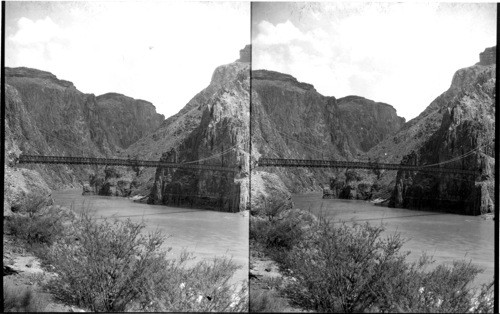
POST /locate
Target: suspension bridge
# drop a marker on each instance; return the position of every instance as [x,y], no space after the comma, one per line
[40,159]
[275,162]
[262,162]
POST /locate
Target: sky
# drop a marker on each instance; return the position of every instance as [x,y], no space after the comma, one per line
[403,54]
[162,52]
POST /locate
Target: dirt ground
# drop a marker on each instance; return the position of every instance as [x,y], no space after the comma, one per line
[24,272]
[265,274]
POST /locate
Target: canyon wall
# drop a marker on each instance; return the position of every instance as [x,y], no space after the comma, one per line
[214,130]
[48,116]
[290,119]
[462,138]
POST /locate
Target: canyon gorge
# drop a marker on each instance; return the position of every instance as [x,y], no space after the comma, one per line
[286,119]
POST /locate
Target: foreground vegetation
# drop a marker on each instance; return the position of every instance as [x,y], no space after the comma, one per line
[110,266]
[352,268]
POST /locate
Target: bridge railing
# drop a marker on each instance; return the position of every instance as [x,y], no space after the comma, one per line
[274,162]
[40,159]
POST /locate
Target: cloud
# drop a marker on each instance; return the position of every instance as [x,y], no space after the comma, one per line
[34,32]
[401,54]
[158,51]
[283,33]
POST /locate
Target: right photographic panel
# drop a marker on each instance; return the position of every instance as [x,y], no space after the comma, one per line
[372,152]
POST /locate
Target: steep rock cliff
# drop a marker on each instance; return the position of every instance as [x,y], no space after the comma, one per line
[131,119]
[291,119]
[369,122]
[212,129]
[461,136]
[49,116]
[488,56]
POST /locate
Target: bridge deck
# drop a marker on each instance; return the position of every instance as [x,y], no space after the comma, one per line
[34,159]
[272,162]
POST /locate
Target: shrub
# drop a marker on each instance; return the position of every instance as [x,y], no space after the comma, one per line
[32,203]
[113,266]
[108,266]
[277,234]
[204,287]
[352,269]
[17,299]
[258,229]
[444,289]
[483,302]
[283,234]
[39,225]
[343,269]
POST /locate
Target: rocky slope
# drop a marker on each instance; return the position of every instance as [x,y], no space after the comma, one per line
[459,122]
[464,139]
[291,119]
[49,116]
[220,138]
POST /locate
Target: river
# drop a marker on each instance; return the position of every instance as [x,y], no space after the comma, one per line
[444,236]
[205,233]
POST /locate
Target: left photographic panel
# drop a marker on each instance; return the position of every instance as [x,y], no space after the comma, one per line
[126,156]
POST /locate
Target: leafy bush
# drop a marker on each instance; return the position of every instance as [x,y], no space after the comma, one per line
[277,235]
[113,266]
[202,288]
[17,299]
[283,234]
[32,203]
[39,225]
[352,269]
[108,266]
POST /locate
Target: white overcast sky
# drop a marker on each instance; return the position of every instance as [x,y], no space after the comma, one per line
[161,52]
[403,54]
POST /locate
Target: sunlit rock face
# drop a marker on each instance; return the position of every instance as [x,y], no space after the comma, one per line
[290,119]
[49,116]
[463,132]
[218,135]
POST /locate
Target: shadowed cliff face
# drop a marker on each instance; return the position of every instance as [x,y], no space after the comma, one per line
[368,122]
[217,134]
[48,116]
[291,119]
[131,118]
[471,97]
[465,136]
